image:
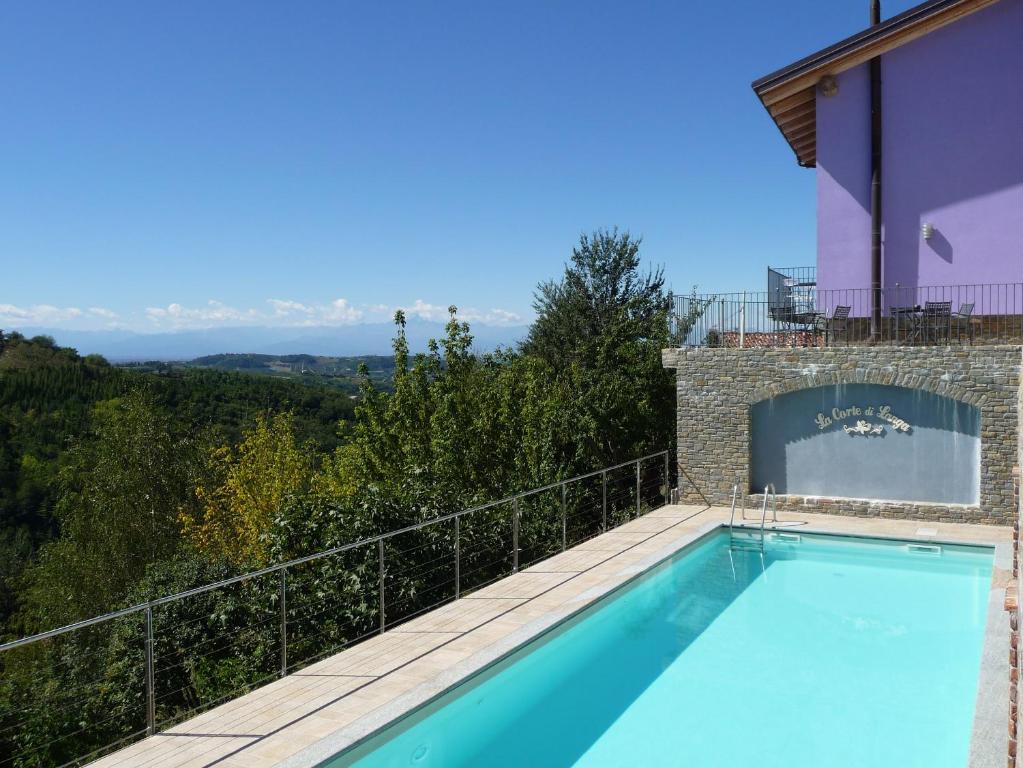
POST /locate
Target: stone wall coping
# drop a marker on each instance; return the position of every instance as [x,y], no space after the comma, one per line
[671,355]
[718,387]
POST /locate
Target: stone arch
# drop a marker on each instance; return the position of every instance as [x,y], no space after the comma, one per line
[886,376]
[943,423]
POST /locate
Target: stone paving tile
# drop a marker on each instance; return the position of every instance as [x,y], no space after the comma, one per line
[460,615]
[573,561]
[264,711]
[380,655]
[279,720]
[613,541]
[522,586]
[651,524]
[169,751]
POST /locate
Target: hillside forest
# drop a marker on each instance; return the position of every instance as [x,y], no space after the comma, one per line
[342,373]
[123,485]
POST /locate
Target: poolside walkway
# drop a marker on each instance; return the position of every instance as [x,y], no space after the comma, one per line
[311,714]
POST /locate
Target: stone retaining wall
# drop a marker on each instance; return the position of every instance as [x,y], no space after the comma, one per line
[1012,606]
[717,387]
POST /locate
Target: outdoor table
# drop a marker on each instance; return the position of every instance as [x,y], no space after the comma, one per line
[913,318]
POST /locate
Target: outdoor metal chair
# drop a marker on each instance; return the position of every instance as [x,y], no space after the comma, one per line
[937,320]
[837,324]
[963,321]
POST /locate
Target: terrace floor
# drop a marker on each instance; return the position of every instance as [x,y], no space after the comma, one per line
[315,712]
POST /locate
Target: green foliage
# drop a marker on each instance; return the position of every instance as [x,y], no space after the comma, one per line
[102,467]
[337,372]
[64,698]
[228,402]
[50,397]
[602,328]
[250,486]
[120,492]
[212,644]
[459,428]
[314,371]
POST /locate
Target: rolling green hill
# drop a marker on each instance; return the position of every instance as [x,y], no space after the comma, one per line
[340,373]
[48,395]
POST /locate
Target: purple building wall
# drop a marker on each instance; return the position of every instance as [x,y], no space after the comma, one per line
[843,183]
[953,157]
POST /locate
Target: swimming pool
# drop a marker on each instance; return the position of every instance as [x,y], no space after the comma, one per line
[818,650]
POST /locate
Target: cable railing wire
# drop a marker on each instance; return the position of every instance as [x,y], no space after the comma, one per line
[291,615]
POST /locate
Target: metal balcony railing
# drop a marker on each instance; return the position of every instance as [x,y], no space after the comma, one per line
[814,317]
[79,691]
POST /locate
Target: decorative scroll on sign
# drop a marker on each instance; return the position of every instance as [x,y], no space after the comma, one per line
[862,426]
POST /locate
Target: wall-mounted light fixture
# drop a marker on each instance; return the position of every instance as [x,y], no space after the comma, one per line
[828,85]
[927,230]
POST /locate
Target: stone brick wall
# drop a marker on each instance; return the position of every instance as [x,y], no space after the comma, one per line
[1012,606]
[717,387]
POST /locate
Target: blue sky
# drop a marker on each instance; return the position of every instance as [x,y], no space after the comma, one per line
[197,164]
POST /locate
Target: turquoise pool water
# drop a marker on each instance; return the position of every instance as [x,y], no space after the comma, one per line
[830,651]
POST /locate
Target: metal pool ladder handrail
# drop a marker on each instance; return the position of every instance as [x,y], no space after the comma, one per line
[769,490]
[735,497]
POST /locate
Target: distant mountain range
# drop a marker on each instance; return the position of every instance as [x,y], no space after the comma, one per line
[346,340]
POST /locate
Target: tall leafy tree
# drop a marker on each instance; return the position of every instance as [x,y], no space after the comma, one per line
[602,326]
[120,496]
[249,485]
[458,428]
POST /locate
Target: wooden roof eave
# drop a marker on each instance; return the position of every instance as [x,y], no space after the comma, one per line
[790,94]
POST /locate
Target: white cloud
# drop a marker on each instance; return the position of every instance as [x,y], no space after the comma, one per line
[439,314]
[276,312]
[12,313]
[39,314]
[340,311]
[282,312]
[503,317]
[337,312]
[214,313]
[425,311]
[283,308]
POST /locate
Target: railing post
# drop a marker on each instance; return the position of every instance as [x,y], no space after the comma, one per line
[564,518]
[150,675]
[639,497]
[515,536]
[283,587]
[603,502]
[667,478]
[742,322]
[380,555]
[458,557]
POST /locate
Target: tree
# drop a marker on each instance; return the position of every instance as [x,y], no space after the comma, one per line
[121,492]
[459,428]
[249,486]
[602,296]
[602,327]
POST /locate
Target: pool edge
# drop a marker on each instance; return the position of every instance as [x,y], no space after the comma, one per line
[984,750]
[989,739]
[369,725]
